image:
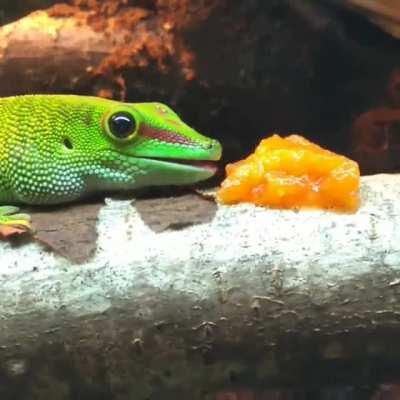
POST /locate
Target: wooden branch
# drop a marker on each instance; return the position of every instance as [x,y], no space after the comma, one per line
[384,13]
[384,8]
[70,48]
[251,297]
[25,44]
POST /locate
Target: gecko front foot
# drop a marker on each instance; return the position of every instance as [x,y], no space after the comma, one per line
[12,222]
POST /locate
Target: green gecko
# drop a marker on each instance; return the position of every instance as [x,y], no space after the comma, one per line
[59,148]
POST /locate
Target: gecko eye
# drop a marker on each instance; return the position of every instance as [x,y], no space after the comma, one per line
[122,125]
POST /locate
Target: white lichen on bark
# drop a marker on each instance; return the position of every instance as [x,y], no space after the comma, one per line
[242,241]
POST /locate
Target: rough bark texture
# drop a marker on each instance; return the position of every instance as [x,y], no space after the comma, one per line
[254,297]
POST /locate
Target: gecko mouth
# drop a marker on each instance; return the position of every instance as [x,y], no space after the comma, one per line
[202,164]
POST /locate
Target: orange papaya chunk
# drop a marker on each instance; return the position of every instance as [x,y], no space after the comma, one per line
[293,172]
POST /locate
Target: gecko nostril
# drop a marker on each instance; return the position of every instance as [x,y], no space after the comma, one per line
[214,148]
[211,144]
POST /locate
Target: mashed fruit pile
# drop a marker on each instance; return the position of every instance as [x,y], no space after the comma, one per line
[292,172]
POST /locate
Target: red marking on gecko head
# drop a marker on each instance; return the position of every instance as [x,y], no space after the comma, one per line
[165,136]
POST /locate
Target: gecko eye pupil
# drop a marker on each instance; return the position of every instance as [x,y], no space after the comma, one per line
[122,125]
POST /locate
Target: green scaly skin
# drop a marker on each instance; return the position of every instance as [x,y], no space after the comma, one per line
[59,148]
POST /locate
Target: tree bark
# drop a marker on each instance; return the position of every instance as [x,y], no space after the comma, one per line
[253,297]
[96,48]
[384,13]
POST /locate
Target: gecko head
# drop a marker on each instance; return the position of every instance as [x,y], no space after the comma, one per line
[153,139]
